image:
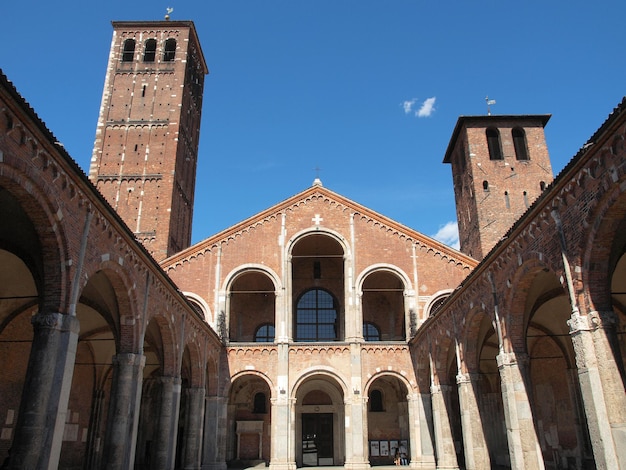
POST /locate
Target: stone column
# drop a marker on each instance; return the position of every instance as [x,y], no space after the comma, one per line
[355,432]
[214,436]
[524,447]
[281,454]
[92,459]
[421,444]
[192,440]
[444,441]
[474,443]
[167,430]
[123,418]
[601,386]
[41,420]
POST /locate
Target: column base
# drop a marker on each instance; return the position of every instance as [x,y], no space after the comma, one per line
[282,466]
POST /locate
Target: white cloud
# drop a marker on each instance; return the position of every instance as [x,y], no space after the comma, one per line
[408,105]
[427,108]
[448,234]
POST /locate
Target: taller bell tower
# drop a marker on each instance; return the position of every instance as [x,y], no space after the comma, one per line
[500,165]
[146,148]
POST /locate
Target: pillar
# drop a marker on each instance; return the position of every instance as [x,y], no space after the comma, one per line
[192,439]
[123,418]
[524,449]
[41,420]
[214,436]
[444,441]
[601,386]
[167,430]
[474,443]
[92,459]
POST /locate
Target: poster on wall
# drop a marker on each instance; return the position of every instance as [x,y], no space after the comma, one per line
[384,448]
[393,447]
[374,448]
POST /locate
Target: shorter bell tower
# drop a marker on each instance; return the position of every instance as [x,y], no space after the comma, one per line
[500,165]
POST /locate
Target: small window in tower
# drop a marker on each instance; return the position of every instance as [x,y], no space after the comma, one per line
[542,185]
[170,50]
[519,142]
[486,185]
[526,199]
[494,145]
[376,401]
[149,52]
[129,50]
[506,200]
[143,91]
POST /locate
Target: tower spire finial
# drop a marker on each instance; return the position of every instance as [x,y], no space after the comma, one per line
[489,103]
[169,11]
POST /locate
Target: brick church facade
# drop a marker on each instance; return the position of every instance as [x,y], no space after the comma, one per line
[317,332]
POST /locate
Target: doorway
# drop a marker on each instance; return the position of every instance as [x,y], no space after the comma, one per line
[317,439]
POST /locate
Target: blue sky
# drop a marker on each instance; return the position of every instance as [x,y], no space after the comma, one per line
[369,91]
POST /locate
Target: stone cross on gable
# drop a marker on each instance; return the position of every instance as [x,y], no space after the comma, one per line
[317,219]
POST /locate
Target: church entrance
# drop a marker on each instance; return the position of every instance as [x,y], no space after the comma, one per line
[317,439]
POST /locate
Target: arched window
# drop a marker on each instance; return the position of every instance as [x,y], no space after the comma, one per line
[316,317]
[149,52]
[259,403]
[370,332]
[486,185]
[170,50]
[542,185]
[494,145]
[264,333]
[519,142]
[376,401]
[506,200]
[128,52]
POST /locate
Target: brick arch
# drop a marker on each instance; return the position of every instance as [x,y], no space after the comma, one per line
[382,374]
[512,308]
[320,373]
[247,268]
[126,300]
[46,262]
[336,236]
[243,375]
[169,353]
[389,268]
[421,367]
[196,363]
[443,357]
[471,342]
[604,245]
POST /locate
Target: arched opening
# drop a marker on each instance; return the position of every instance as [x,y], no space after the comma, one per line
[383,305]
[252,308]
[318,289]
[494,144]
[554,393]
[519,142]
[320,429]
[249,422]
[388,421]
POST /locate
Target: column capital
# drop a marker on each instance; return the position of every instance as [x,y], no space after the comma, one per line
[512,358]
[591,321]
[55,321]
[129,359]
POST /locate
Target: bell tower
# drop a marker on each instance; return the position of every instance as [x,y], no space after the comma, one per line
[500,165]
[146,147]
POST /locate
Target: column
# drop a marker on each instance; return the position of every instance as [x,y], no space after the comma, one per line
[167,430]
[444,441]
[282,455]
[601,387]
[356,432]
[524,447]
[474,443]
[92,459]
[192,440]
[41,420]
[123,418]
[214,436]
